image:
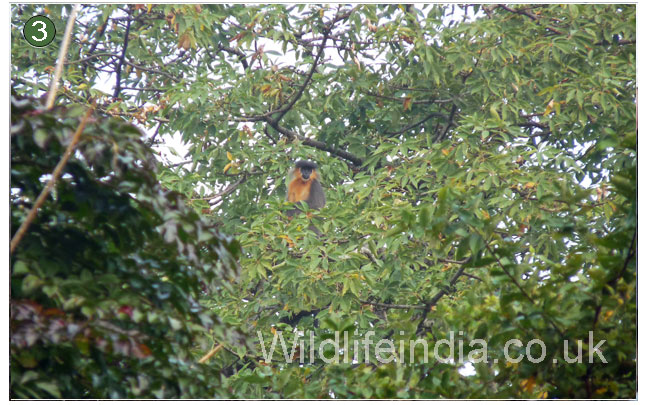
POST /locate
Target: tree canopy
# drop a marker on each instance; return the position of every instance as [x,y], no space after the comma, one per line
[479,164]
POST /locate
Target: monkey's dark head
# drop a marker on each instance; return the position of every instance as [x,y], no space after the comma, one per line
[306,168]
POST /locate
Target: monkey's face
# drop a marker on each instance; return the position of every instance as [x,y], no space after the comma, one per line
[306,172]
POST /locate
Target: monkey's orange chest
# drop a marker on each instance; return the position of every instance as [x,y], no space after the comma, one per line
[299,190]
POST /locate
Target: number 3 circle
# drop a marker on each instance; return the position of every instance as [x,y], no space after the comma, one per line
[39,31]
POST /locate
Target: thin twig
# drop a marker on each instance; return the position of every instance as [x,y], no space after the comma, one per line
[50,184]
[436,298]
[53,86]
[300,92]
[99,35]
[411,126]
[395,306]
[210,354]
[522,290]
[180,163]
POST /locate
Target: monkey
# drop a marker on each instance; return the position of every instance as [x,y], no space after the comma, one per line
[304,185]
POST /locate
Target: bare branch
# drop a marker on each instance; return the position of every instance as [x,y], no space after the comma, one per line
[51,96]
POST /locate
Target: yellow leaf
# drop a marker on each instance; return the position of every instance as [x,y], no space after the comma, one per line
[227,167]
[407,103]
[549,108]
[511,365]
[273,330]
[287,239]
[150,7]
[530,184]
[445,152]
[528,384]
[229,156]
[184,41]
[493,112]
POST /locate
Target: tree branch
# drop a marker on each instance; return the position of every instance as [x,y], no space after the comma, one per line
[395,306]
[291,135]
[408,128]
[436,298]
[100,32]
[122,58]
[283,110]
[53,88]
[241,56]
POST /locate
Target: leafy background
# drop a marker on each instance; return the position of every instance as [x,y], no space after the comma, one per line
[479,164]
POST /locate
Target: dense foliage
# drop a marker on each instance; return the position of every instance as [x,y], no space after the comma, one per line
[479,164]
[105,284]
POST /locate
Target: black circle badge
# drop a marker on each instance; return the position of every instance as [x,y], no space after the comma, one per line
[39,31]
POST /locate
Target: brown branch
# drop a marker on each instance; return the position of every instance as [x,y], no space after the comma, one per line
[210,354]
[20,233]
[53,88]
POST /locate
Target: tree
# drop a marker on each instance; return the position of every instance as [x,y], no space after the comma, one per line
[479,164]
[105,282]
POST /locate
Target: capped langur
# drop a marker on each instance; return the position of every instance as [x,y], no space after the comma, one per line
[304,185]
